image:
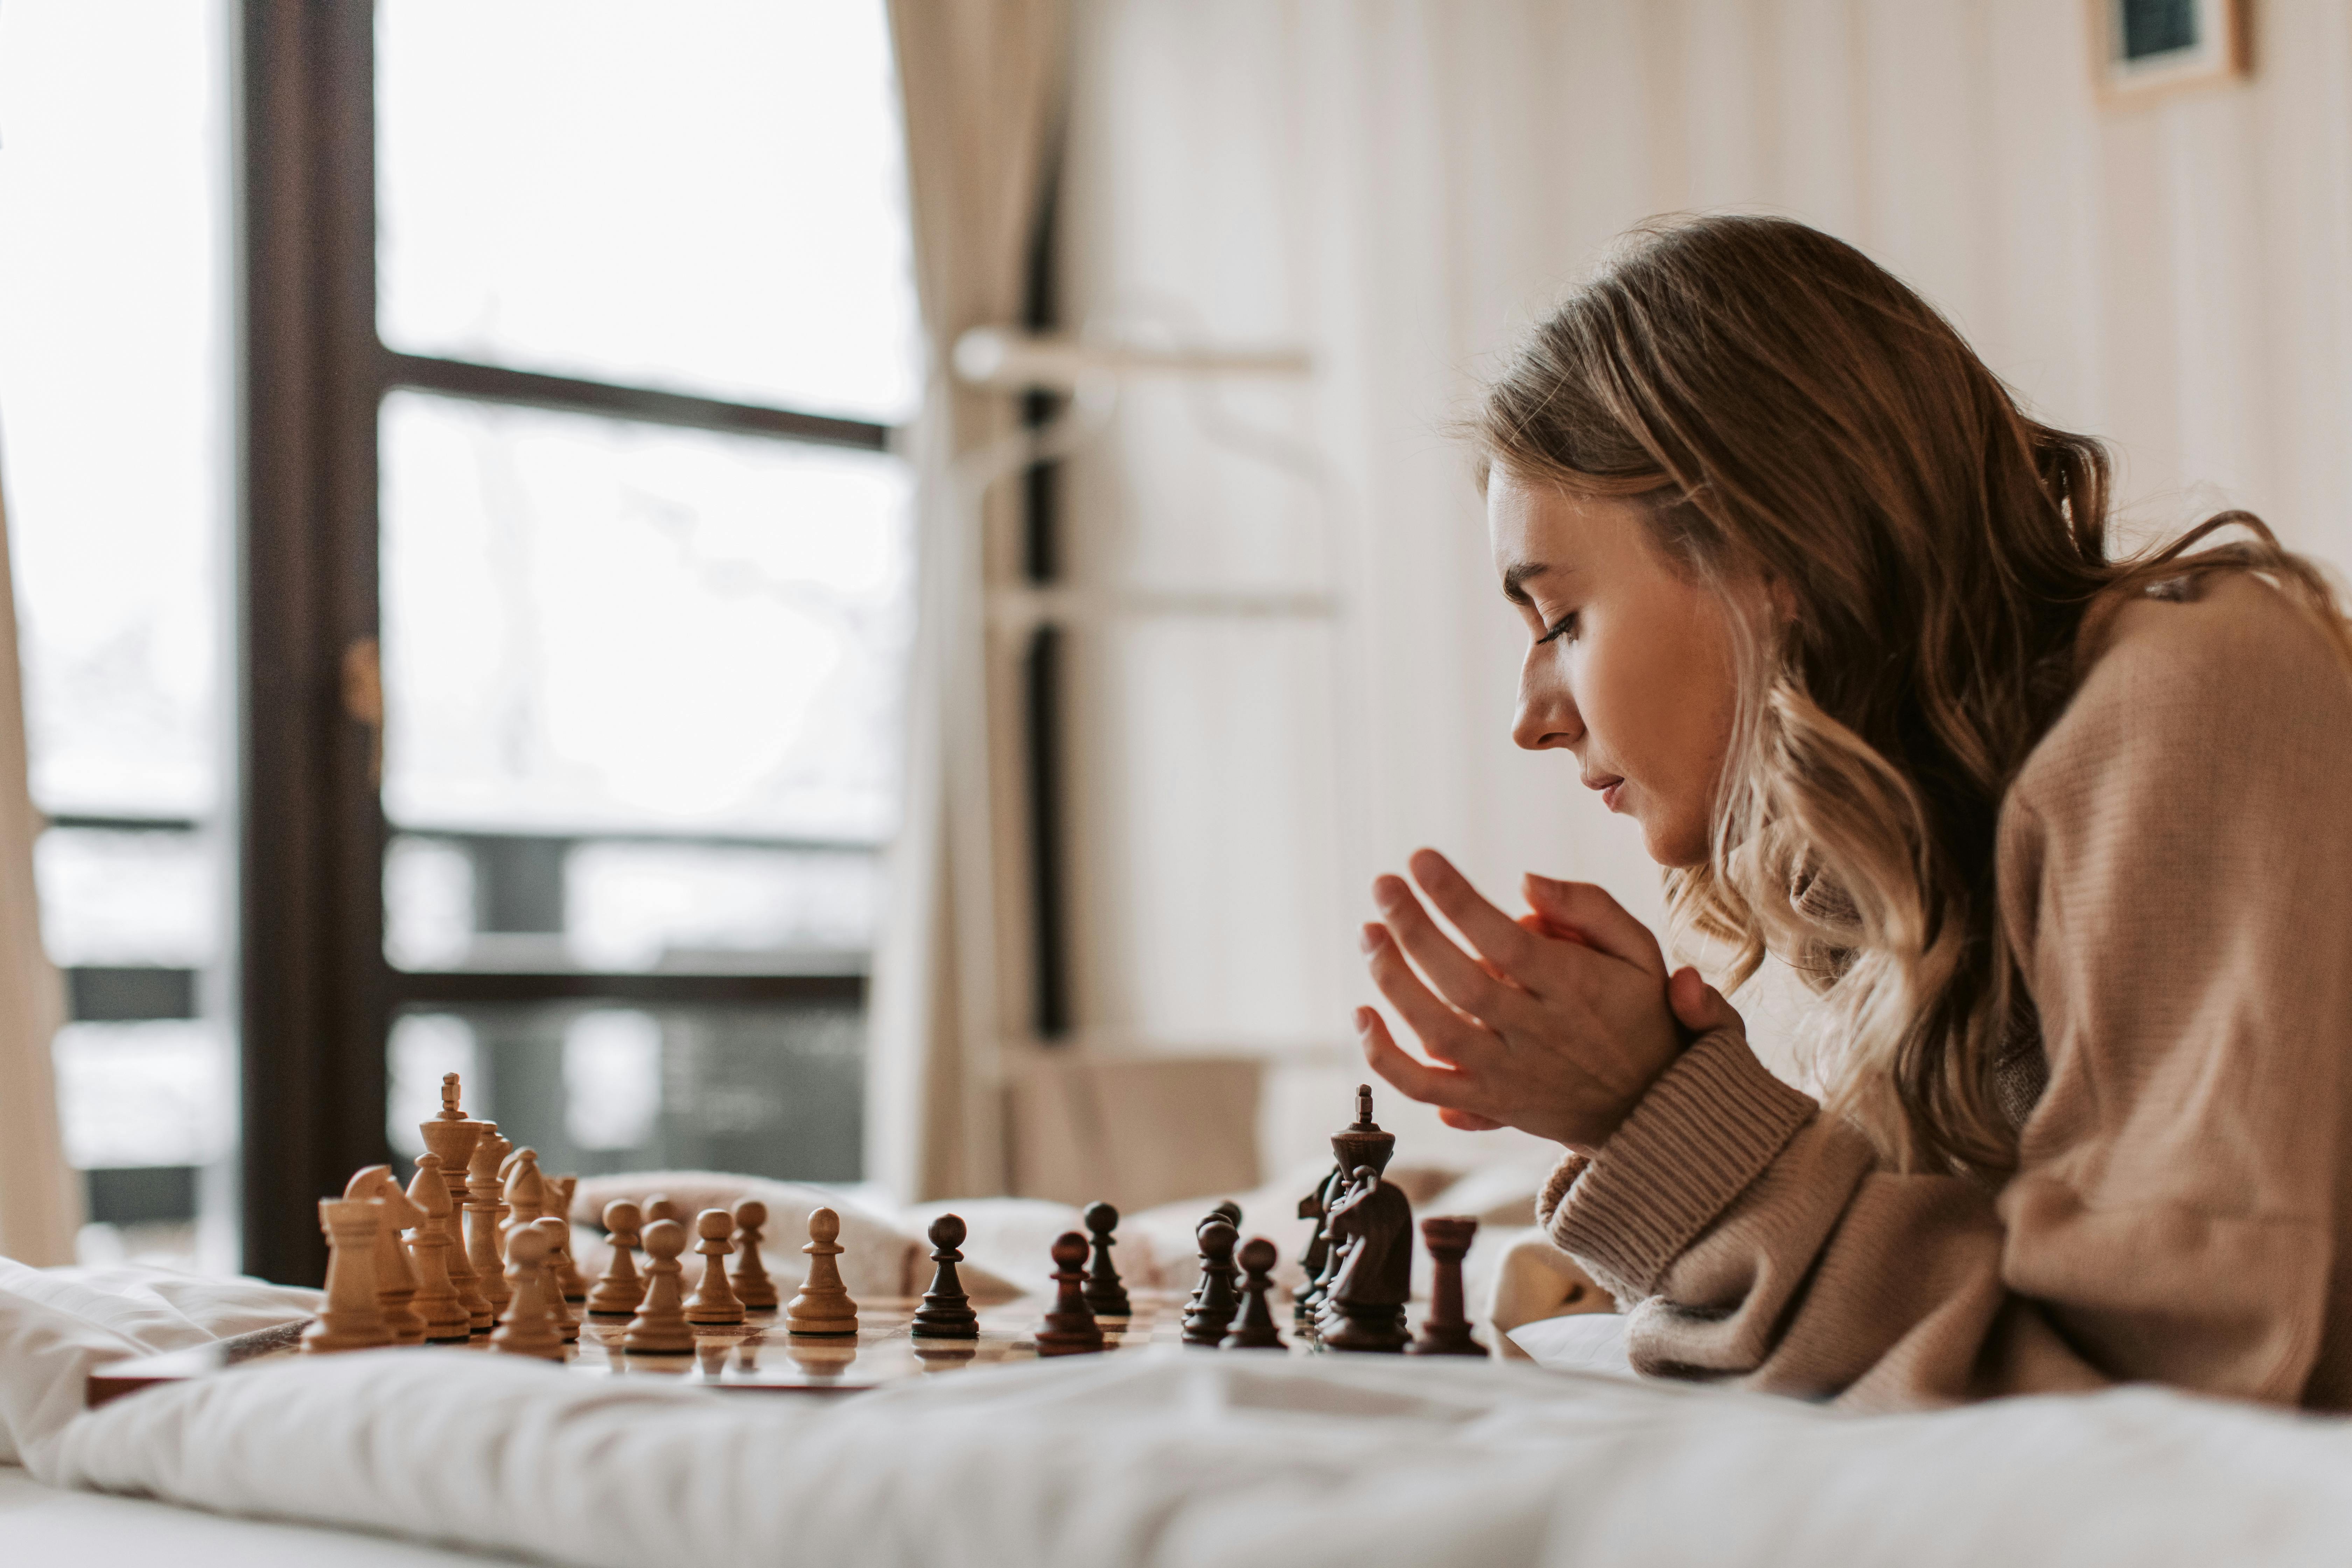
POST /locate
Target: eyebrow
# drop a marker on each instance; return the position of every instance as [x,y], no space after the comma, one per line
[1518,573]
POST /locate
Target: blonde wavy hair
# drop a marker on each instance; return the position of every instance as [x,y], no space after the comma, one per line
[1792,414]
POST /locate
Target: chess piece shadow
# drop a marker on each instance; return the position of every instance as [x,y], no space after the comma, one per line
[945,1355]
[823,1360]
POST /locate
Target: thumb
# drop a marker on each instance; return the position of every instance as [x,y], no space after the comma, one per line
[1699,1007]
[1597,920]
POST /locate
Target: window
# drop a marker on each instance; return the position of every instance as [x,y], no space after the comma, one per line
[578,580]
[115,395]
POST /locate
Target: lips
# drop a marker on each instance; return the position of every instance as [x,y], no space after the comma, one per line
[1610,786]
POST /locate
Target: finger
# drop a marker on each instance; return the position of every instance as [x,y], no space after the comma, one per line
[1445,1033]
[1456,975]
[1494,933]
[1438,1085]
[1602,920]
[1544,928]
[1466,1121]
[1699,1007]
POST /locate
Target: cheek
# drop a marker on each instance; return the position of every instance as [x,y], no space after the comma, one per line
[1660,698]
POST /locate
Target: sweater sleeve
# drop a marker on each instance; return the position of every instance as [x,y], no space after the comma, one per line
[2176,871]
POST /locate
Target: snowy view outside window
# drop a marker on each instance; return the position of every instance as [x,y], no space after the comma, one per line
[115,399]
[643,684]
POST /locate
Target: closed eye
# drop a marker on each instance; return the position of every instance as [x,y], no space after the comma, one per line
[1564,626]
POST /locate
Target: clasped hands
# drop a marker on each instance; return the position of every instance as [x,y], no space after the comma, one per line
[1557,1025]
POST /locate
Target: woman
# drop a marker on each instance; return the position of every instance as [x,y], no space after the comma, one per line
[2064,843]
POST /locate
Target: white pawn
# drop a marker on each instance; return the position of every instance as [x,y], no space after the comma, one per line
[618,1294]
[559,1252]
[660,1327]
[714,1299]
[525,1329]
[823,1306]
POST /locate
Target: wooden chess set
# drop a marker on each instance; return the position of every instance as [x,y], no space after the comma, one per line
[475,1253]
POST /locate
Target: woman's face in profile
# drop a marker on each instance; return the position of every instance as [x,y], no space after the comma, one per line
[1629,663]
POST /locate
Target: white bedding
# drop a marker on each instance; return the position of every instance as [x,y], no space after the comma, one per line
[1164,1458]
[42,1525]
[1208,1458]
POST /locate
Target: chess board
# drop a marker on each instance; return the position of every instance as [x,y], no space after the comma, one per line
[755,1356]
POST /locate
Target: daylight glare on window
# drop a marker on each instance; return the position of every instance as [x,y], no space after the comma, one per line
[590,626]
[708,198]
[115,432]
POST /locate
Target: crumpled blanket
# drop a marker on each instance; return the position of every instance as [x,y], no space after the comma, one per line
[1169,1458]
[56,1323]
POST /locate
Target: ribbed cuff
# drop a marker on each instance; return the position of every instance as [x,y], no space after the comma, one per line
[1702,1132]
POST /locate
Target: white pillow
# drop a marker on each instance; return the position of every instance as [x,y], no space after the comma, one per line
[58,1323]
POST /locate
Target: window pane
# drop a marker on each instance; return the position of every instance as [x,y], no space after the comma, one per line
[709,197]
[128,898]
[590,626]
[632,906]
[144,1094]
[114,457]
[113,389]
[768,1090]
[511,901]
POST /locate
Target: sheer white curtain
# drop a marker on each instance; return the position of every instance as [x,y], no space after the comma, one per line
[40,1201]
[983,86]
[1402,184]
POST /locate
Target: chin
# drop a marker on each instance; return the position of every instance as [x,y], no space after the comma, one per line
[1675,846]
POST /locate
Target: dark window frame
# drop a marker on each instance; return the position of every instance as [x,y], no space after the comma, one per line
[317,997]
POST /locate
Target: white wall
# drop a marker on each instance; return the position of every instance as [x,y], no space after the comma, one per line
[1402,186]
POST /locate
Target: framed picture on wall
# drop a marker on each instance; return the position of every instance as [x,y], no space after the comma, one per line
[2144,50]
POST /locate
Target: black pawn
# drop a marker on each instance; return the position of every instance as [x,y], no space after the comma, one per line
[1206,1323]
[1106,1295]
[946,1312]
[1069,1329]
[1231,1213]
[1252,1327]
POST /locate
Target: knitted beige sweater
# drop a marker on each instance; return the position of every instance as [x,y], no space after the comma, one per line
[2175,860]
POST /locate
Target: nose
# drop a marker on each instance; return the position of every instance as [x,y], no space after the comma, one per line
[1547,718]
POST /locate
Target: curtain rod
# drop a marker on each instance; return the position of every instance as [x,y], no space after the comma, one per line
[1014,359]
